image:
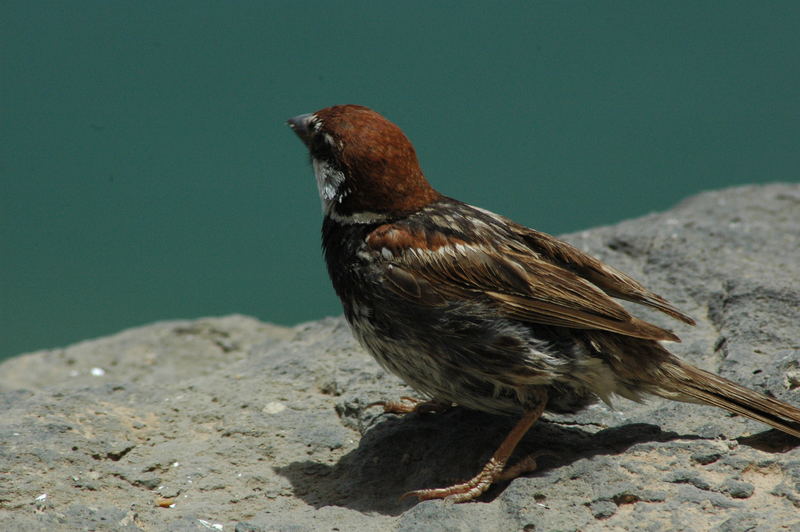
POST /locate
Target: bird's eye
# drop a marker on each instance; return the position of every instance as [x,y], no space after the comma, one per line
[321,143]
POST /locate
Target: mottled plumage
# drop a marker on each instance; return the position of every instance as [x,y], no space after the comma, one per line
[468,307]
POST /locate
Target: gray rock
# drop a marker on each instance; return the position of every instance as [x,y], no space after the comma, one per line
[686,476]
[233,423]
[737,489]
[603,509]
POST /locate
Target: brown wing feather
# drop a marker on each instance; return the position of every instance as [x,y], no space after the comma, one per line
[522,286]
[610,280]
[551,314]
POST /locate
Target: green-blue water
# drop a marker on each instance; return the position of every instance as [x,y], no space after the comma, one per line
[147,173]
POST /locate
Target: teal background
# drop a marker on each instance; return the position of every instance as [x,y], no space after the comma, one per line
[147,173]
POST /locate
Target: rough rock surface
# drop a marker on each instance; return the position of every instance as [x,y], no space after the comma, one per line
[233,424]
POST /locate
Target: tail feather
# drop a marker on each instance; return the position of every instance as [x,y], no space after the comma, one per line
[704,387]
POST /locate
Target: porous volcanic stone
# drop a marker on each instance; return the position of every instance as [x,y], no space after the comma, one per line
[233,424]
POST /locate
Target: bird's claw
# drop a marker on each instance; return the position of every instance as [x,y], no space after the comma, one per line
[407,405]
[492,472]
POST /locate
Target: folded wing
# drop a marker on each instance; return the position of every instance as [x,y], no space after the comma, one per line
[547,282]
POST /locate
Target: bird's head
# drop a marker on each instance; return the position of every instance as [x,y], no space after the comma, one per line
[366,168]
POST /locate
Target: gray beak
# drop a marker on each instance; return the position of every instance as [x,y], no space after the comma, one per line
[299,125]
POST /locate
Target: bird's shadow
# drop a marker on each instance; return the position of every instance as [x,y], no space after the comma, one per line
[416,451]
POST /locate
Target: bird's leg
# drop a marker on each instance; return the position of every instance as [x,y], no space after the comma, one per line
[526,465]
[406,405]
[493,471]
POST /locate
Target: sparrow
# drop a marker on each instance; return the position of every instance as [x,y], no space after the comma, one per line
[472,309]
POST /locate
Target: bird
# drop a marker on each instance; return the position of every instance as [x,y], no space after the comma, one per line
[470,308]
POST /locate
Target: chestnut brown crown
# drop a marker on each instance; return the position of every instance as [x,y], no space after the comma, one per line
[362,162]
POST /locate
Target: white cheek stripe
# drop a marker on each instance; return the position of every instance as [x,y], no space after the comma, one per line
[329,183]
[365,217]
[332,190]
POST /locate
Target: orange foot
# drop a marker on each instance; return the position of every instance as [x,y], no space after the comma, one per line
[407,405]
[494,470]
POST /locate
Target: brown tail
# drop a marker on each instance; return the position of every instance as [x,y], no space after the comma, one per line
[705,387]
